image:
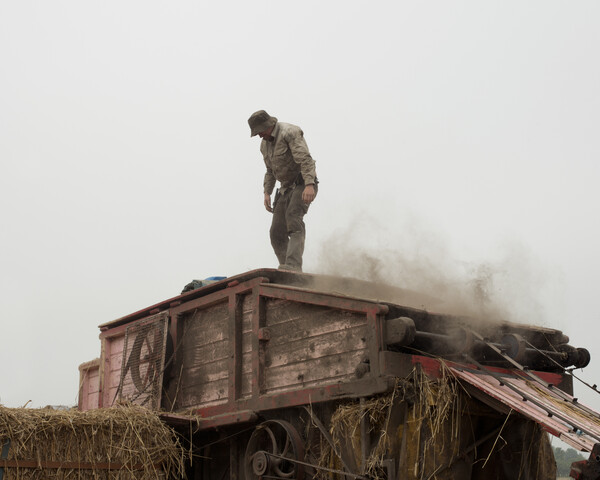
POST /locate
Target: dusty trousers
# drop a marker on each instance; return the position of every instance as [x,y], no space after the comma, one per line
[287,228]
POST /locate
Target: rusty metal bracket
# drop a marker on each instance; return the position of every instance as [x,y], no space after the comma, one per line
[390,467]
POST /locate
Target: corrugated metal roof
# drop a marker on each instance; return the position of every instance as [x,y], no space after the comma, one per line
[557,412]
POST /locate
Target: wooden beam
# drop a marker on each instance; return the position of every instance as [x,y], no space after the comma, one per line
[236,302]
[301,295]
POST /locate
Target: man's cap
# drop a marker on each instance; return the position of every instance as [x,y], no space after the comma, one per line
[260,121]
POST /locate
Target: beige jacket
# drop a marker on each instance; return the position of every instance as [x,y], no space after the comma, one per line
[286,157]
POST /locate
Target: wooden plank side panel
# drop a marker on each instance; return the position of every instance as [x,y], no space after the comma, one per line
[247,312]
[205,394]
[300,319]
[283,352]
[205,356]
[314,372]
[93,389]
[247,365]
[89,392]
[112,370]
[312,345]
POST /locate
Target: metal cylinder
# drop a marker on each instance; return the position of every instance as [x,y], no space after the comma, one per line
[399,331]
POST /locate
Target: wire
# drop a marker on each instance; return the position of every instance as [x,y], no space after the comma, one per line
[565,370]
[227,437]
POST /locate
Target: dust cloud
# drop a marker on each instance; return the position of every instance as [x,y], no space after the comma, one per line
[417,269]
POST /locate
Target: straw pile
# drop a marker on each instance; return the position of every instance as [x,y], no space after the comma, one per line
[566,407]
[429,430]
[131,439]
[433,430]
[346,428]
[433,427]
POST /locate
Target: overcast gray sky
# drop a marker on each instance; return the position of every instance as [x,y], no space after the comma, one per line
[454,140]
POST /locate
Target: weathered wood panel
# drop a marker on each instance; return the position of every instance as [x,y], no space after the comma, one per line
[93,388]
[247,312]
[112,370]
[89,381]
[205,357]
[311,345]
[311,373]
[308,345]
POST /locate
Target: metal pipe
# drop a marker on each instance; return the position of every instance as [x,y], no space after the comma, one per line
[448,342]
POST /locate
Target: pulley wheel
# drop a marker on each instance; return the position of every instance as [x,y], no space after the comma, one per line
[461,340]
[260,463]
[577,357]
[583,358]
[514,346]
[271,451]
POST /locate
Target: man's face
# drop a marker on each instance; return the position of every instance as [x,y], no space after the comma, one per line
[266,135]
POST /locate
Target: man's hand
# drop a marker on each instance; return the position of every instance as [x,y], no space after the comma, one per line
[268,203]
[309,194]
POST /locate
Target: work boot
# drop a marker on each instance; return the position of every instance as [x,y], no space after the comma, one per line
[289,268]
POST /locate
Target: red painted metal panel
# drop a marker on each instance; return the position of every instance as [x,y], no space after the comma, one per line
[564,419]
[432,366]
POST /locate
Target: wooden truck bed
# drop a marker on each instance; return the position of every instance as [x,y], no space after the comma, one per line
[261,363]
[261,340]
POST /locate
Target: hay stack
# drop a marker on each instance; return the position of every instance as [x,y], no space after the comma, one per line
[124,443]
[431,426]
[433,430]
